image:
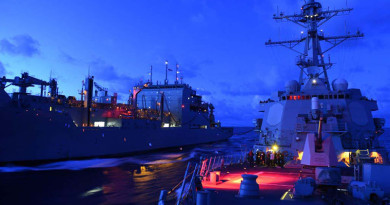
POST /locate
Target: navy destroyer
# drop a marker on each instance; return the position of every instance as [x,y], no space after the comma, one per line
[51,126]
[327,127]
[313,104]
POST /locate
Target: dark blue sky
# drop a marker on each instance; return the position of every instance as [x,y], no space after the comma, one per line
[219,45]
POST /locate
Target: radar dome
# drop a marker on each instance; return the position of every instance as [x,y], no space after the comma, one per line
[291,86]
[340,85]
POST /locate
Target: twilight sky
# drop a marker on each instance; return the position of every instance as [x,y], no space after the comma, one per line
[219,45]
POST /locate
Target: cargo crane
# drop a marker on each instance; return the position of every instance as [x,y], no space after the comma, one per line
[26,81]
[100,88]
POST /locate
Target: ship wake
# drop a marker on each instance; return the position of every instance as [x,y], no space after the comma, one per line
[152,159]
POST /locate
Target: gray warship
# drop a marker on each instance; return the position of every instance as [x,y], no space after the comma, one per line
[51,126]
[312,103]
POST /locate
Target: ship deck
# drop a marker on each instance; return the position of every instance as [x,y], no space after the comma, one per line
[276,185]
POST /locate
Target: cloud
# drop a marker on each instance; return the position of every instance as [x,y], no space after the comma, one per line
[192,69]
[23,45]
[231,114]
[2,69]
[107,76]
[68,58]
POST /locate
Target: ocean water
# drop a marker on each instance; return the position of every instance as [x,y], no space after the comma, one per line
[128,180]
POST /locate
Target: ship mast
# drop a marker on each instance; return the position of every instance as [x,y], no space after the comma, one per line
[311,61]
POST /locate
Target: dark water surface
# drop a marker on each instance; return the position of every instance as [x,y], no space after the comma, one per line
[128,180]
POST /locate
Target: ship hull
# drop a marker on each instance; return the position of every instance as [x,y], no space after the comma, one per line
[39,136]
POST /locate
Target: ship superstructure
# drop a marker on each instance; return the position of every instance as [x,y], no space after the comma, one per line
[345,114]
[51,126]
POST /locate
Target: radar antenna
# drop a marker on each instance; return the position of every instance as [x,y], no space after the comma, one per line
[312,16]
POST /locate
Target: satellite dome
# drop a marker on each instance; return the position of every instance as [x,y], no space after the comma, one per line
[340,84]
[291,86]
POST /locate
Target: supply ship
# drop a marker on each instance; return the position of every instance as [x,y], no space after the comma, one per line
[313,104]
[51,126]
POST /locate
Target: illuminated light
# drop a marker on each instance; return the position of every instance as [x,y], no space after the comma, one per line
[378,158]
[237,181]
[182,106]
[50,109]
[344,157]
[166,125]
[124,139]
[300,154]
[301,32]
[284,195]
[99,124]
[92,191]
[267,180]
[314,81]
[299,97]
[166,62]
[275,147]
[295,97]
